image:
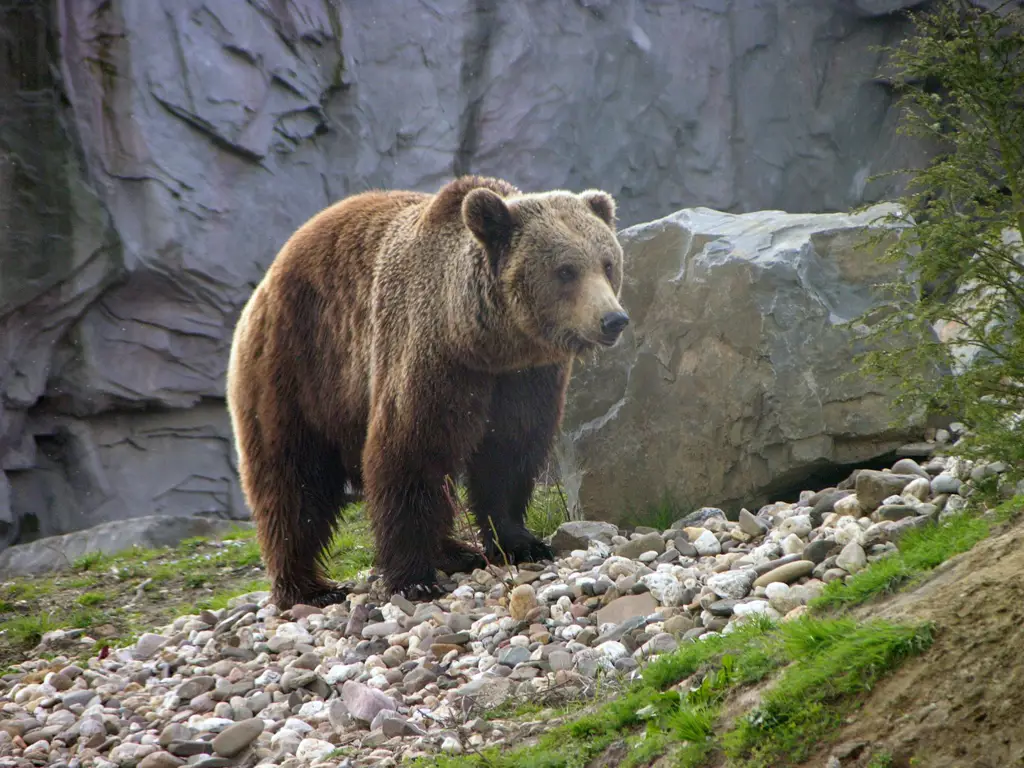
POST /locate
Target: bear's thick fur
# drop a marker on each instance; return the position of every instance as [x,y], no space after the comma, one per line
[398,339]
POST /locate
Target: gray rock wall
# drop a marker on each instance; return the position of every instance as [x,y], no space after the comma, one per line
[155,155]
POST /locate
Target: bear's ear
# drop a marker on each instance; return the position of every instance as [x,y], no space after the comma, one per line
[488,217]
[602,204]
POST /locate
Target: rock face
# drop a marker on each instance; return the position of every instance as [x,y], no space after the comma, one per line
[154,156]
[727,385]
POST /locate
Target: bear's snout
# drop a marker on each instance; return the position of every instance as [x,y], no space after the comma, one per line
[612,324]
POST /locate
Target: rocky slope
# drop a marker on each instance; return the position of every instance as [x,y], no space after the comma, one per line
[154,156]
[378,679]
[957,705]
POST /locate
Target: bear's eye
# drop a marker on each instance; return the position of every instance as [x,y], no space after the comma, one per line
[608,270]
[566,273]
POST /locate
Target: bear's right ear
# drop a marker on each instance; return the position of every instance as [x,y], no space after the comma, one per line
[489,219]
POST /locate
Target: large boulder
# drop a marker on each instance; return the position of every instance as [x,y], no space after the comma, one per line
[736,377]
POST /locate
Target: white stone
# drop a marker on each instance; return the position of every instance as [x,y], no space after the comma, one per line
[847,530]
[451,746]
[756,608]
[297,725]
[665,588]
[314,750]
[295,632]
[731,584]
[339,673]
[848,506]
[920,489]
[707,544]
[852,558]
[793,544]
[798,525]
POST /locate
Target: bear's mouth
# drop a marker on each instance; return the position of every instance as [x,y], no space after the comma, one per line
[580,343]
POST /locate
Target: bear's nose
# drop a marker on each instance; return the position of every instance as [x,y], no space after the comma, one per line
[612,323]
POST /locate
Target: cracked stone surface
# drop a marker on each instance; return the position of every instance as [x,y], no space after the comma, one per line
[156,155]
[728,383]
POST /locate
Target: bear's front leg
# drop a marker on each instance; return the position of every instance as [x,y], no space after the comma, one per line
[523,418]
[409,512]
[459,557]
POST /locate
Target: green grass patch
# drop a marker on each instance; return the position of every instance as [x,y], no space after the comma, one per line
[220,600]
[544,513]
[512,709]
[751,642]
[351,549]
[195,580]
[89,599]
[27,631]
[90,562]
[818,688]
[83,582]
[822,665]
[660,514]
[126,593]
[28,591]
[84,618]
[919,551]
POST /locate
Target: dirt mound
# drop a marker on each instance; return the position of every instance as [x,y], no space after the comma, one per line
[960,704]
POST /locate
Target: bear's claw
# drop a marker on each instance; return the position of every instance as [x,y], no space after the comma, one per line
[417,592]
[527,549]
[337,593]
[461,558]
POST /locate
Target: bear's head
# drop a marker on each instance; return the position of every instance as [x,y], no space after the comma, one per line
[557,261]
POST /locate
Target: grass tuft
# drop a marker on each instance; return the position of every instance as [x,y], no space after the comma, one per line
[27,630]
[89,599]
[546,511]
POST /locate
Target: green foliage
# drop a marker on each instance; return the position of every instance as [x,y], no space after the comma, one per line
[961,85]
[670,668]
[880,760]
[547,511]
[659,514]
[351,549]
[89,562]
[220,600]
[195,580]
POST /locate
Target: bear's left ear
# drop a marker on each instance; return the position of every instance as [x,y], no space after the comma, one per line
[600,203]
[488,217]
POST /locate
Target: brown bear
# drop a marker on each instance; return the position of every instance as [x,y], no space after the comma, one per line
[399,339]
